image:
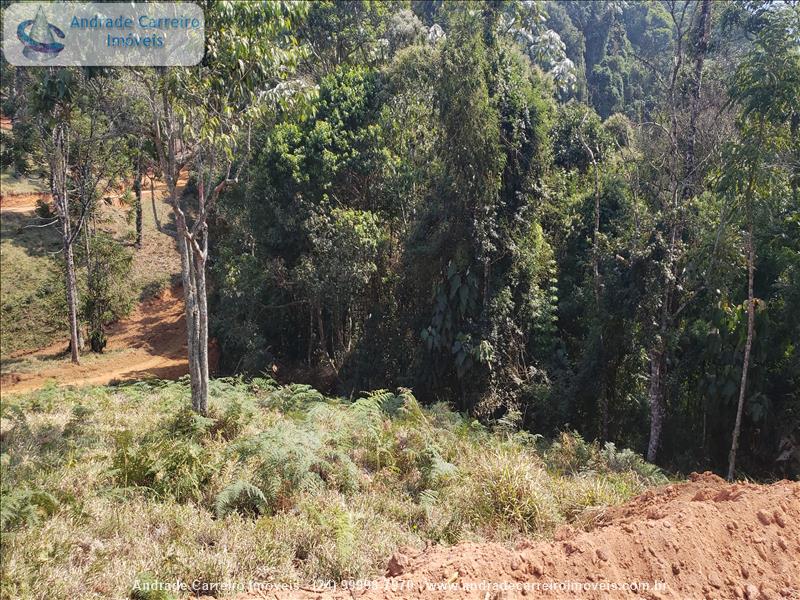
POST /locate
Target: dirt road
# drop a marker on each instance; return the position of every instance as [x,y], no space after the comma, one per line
[150,342]
[21,203]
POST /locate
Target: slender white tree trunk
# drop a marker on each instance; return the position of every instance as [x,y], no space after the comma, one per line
[72,292]
[656,396]
[201,400]
[190,296]
[58,185]
[747,346]
[137,188]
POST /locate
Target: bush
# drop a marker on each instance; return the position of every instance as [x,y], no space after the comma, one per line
[337,470]
[570,453]
[504,491]
[20,508]
[109,295]
[574,495]
[626,460]
[171,468]
[281,458]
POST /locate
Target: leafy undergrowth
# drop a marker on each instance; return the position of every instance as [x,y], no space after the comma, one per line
[107,486]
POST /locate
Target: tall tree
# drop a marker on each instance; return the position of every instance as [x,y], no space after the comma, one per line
[767,87]
[77,138]
[200,123]
[672,186]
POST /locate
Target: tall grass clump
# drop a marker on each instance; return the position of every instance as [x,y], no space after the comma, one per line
[106,487]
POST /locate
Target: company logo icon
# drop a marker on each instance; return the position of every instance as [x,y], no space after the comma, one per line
[37,37]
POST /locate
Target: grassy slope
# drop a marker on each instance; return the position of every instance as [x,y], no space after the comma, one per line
[105,486]
[28,272]
[21,185]
[30,294]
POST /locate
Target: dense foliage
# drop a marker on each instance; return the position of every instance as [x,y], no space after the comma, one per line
[530,209]
[563,214]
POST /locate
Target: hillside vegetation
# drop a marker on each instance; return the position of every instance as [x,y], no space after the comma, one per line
[104,487]
[30,282]
[584,213]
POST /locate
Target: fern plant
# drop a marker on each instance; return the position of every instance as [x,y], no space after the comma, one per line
[626,460]
[241,497]
[24,507]
[169,466]
[292,397]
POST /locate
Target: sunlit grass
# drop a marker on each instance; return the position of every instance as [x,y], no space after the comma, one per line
[106,486]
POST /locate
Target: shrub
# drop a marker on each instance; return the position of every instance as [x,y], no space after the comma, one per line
[231,420]
[292,397]
[574,495]
[109,295]
[187,423]
[282,457]
[570,453]
[176,467]
[504,491]
[621,461]
[337,471]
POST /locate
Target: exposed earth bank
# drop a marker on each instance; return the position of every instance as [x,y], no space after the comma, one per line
[701,539]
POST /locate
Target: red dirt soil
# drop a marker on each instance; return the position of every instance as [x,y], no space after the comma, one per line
[151,342]
[21,202]
[701,539]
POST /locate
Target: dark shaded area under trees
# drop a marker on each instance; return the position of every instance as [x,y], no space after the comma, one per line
[462,217]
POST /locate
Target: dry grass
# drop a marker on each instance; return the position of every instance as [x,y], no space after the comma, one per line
[343,485]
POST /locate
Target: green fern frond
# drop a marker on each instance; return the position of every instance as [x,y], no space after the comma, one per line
[21,508]
[242,497]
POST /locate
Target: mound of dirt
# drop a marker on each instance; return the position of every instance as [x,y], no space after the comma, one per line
[701,539]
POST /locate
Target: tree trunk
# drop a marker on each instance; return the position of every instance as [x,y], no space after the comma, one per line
[153,202]
[137,188]
[58,188]
[190,295]
[72,291]
[747,346]
[200,402]
[655,394]
[603,401]
[192,262]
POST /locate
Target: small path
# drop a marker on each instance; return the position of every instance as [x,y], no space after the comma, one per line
[21,203]
[150,342]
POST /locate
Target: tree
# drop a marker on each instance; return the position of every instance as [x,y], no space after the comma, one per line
[581,142]
[672,179]
[108,295]
[767,87]
[200,119]
[52,113]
